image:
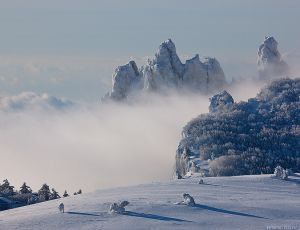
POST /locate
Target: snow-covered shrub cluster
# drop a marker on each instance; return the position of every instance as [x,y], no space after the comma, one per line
[188,200]
[118,207]
[250,137]
[281,173]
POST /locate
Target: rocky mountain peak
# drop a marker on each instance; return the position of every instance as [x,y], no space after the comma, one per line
[270,63]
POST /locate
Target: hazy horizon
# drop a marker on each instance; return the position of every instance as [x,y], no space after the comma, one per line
[71,48]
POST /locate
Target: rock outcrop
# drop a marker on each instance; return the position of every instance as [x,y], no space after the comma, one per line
[166,71]
[270,63]
[126,79]
[220,101]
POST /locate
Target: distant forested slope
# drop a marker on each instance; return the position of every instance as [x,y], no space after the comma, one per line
[250,137]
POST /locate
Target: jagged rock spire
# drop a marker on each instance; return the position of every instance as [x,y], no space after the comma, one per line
[166,71]
[270,63]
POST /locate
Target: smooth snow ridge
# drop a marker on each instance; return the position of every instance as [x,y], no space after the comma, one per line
[242,202]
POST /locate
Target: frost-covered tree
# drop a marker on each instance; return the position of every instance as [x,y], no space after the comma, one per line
[65,194]
[281,173]
[78,193]
[6,189]
[33,199]
[54,194]
[44,193]
[24,189]
[251,137]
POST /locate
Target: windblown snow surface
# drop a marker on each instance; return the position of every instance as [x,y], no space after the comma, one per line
[241,202]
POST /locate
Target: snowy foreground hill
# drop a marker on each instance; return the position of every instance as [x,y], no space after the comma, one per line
[241,202]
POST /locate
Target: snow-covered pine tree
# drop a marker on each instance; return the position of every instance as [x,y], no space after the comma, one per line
[44,193]
[24,189]
[54,194]
[65,194]
[6,189]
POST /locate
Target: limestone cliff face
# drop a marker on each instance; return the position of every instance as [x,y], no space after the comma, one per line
[270,63]
[126,79]
[166,71]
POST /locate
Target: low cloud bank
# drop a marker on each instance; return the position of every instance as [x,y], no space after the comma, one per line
[98,146]
[95,147]
[33,101]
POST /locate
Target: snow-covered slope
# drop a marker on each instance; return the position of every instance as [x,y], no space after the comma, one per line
[242,202]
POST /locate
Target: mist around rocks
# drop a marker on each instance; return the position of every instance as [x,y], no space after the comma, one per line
[71,145]
[98,146]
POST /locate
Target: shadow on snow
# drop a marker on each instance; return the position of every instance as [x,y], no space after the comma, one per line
[153,216]
[82,213]
[226,211]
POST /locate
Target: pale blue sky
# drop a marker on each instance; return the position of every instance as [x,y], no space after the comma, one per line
[70,47]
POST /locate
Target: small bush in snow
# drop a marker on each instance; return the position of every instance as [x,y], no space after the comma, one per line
[61,207]
[65,194]
[188,199]
[201,181]
[118,207]
[281,173]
